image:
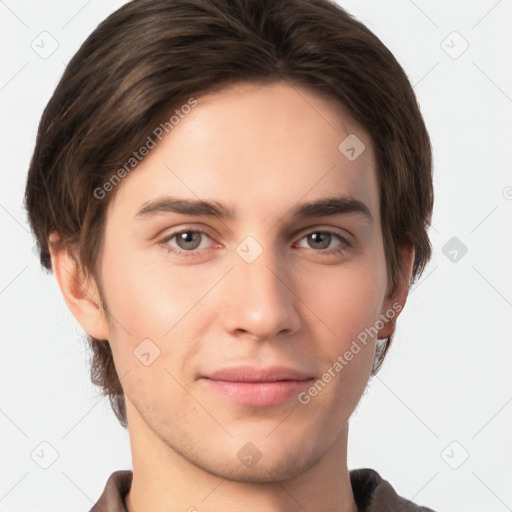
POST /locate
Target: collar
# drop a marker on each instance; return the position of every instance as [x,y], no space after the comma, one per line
[371,493]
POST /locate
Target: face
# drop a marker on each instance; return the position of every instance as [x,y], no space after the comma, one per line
[224,328]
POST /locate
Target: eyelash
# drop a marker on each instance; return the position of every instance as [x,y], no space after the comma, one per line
[340,249]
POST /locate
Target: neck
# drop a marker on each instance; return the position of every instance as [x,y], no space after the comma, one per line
[165,480]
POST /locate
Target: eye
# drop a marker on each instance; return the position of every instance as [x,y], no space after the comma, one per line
[186,241]
[322,240]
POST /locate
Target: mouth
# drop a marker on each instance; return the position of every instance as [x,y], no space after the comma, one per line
[260,387]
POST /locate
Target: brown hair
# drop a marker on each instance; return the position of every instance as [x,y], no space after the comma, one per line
[151,56]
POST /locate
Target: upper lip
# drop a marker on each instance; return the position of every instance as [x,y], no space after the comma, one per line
[254,374]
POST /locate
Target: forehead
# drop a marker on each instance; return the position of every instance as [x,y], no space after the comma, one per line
[258,148]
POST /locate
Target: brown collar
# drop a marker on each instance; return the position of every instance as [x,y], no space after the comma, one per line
[371,492]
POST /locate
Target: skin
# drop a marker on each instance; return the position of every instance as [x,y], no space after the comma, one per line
[261,150]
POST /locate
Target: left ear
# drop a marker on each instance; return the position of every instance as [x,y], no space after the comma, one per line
[395,302]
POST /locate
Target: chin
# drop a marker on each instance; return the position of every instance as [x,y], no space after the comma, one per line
[265,471]
[260,462]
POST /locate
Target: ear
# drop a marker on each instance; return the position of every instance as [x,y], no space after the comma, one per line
[395,302]
[81,294]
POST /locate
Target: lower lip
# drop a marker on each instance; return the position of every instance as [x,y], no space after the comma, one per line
[262,394]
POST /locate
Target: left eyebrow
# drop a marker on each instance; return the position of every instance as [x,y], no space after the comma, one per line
[326,207]
[331,206]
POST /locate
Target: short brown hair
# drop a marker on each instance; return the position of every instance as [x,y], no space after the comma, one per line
[150,56]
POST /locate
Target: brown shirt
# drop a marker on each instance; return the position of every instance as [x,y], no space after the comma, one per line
[371,492]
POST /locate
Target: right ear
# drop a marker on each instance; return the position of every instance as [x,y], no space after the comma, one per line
[81,294]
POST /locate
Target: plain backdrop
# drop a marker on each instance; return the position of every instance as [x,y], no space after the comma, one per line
[436,421]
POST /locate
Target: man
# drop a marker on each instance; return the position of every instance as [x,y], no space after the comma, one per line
[234,197]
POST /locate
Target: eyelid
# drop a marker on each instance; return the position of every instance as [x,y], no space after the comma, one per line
[342,232]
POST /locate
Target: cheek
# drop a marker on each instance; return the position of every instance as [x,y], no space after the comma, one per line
[158,321]
[350,304]
[351,296]
[148,300]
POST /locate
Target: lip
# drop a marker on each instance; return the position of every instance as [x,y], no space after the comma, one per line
[263,387]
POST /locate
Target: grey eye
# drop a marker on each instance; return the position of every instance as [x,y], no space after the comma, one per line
[188,240]
[322,239]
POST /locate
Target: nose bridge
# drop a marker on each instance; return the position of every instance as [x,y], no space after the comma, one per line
[260,295]
[264,278]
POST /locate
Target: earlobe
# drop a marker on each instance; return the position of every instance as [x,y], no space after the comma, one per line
[395,302]
[81,294]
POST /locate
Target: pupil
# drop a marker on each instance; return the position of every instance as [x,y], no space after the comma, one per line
[186,240]
[317,238]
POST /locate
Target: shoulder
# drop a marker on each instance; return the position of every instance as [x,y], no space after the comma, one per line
[374,494]
[112,498]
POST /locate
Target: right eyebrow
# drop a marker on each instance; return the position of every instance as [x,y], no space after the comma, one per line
[186,207]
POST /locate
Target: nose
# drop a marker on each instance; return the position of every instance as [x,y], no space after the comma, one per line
[259,298]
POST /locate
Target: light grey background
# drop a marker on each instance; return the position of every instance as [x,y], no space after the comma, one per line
[436,421]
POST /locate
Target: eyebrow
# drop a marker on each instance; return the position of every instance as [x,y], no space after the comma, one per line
[325,207]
